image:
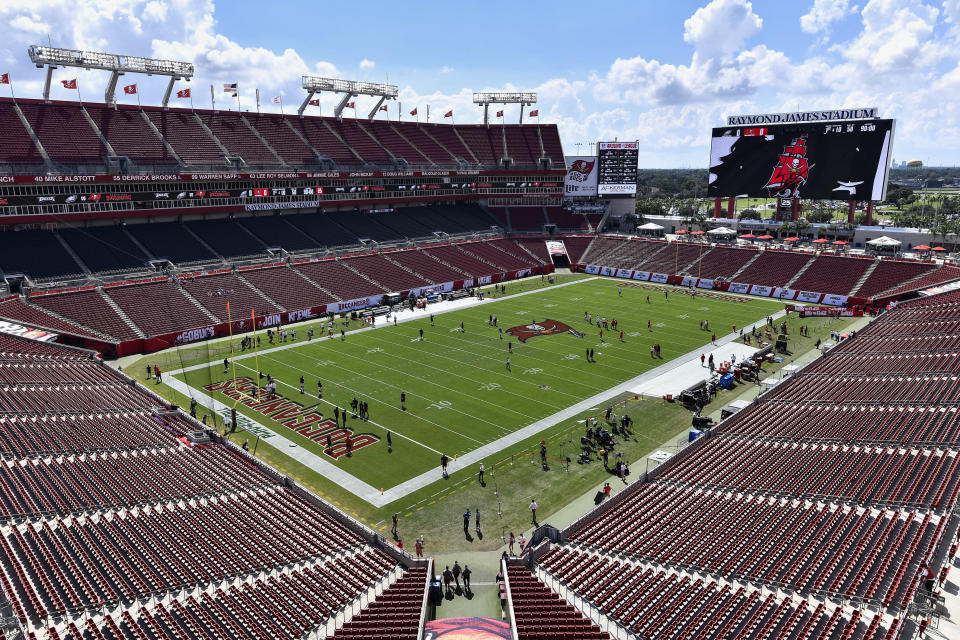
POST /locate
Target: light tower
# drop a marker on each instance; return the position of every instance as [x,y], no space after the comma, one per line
[350,89]
[525,99]
[116,64]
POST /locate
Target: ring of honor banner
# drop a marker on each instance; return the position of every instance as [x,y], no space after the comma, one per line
[837,160]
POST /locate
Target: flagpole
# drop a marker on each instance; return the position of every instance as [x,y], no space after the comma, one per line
[238,97]
[258,101]
[213,101]
[137,89]
[13,97]
[281,105]
[79,97]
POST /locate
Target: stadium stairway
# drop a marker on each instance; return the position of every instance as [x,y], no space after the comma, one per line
[195,302]
[386,256]
[263,141]
[375,139]
[688,268]
[73,254]
[257,291]
[70,323]
[163,139]
[746,265]
[475,256]
[123,316]
[196,236]
[33,134]
[443,262]
[96,129]
[473,155]
[317,285]
[346,263]
[410,142]
[800,272]
[203,125]
[343,141]
[864,277]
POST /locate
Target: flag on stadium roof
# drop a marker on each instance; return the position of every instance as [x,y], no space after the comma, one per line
[351,105]
[69,84]
[130,89]
[276,100]
[315,102]
[500,113]
[535,113]
[183,93]
[231,88]
[383,108]
[4,78]
[448,114]
[414,112]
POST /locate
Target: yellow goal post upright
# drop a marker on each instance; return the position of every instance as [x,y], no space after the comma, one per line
[242,395]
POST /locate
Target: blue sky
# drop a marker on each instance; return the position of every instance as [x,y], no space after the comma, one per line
[662,73]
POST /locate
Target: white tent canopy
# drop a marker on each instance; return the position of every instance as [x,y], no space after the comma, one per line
[722,231]
[884,241]
[650,226]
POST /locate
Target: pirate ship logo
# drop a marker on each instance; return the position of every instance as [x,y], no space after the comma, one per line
[580,170]
[546,328]
[790,172]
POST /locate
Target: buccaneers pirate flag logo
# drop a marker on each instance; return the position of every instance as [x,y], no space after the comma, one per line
[546,328]
[580,170]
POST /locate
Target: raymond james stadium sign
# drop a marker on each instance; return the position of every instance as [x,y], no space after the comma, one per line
[804,116]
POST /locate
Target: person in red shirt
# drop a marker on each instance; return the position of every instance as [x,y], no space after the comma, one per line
[648,326]
[419,547]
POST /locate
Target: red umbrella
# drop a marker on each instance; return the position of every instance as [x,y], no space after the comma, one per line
[767,237]
[939,249]
[922,247]
[791,239]
[748,235]
[680,232]
[839,242]
[696,233]
[821,241]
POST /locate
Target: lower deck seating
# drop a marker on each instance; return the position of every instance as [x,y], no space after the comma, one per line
[542,615]
[89,309]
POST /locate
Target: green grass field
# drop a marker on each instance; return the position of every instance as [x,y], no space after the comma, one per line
[460,394]
[453,366]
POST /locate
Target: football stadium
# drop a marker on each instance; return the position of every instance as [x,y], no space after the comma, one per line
[333,369]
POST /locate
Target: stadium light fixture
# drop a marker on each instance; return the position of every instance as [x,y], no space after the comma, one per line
[524,99]
[116,64]
[350,89]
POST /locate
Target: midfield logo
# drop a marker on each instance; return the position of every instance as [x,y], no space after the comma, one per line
[546,328]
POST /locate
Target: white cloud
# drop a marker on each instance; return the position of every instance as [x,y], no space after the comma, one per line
[721,27]
[446,69]
[156,11]
[823,13]
[367,64]
[29,24]
[896,35]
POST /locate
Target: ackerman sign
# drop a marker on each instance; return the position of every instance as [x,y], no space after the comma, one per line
[804,116]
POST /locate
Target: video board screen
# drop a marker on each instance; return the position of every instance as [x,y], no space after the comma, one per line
[836,160]
[617,168]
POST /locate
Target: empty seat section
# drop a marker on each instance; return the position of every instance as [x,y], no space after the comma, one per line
[105,248]
[339,280]
[480,140]
[425,144]
[392,140]
[19,311]
[286,287]
[527,218]
[158,307]
[187,137]
[355,135]
[672,259]
[322,228]
[505,261]
[514,248]
[276,231]
[324,141]
[64,132]
[404,225]
[518,145]
[942,275]
[575,248]
[213,292]
[551,143]
[130,135]
[500,215]
[446,136]
[461,261]
[774,268]
[170,241]
[18,146]
[832,274]
[722,262]
[428,267]
[283,139]
[227,237]
[890,274]
[233,134]
[365,225]
[385,272]
[566,220]
[88,308]
[36,253]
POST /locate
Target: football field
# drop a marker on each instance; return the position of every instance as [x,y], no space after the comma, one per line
[462,398]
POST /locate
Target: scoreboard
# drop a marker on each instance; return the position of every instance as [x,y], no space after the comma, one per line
[828,160]
[617,169]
